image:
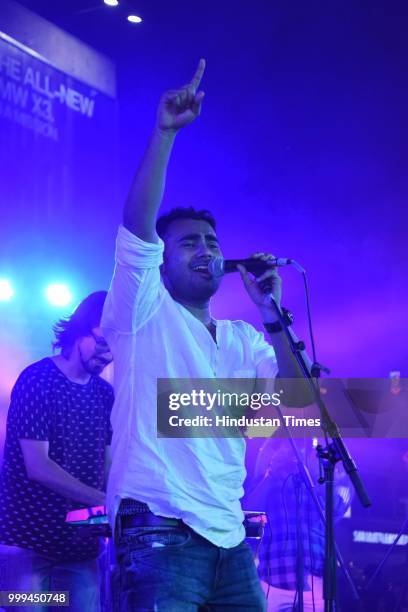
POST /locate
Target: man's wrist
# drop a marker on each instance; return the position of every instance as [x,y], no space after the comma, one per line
[269,314]
[276,326]
[165,134]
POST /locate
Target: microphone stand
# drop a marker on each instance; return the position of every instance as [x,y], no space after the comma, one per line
[300,552]
[329,455]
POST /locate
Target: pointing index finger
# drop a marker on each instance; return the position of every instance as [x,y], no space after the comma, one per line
[195,81]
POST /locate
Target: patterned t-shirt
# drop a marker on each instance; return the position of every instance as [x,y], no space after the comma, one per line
[75,420]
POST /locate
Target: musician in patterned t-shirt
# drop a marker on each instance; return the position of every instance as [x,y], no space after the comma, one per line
[55,456]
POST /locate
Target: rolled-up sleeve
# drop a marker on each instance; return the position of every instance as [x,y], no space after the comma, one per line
[136,286]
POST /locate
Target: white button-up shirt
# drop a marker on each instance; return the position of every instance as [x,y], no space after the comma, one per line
[151,336]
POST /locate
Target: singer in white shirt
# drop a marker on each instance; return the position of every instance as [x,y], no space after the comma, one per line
[180,545]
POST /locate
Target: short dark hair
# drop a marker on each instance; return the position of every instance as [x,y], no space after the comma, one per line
[180,212]
[81,322]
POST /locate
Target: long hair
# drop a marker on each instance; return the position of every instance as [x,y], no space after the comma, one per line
[81,322]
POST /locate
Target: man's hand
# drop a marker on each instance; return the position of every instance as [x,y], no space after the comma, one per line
[254,287]
[297,394]
[179,107]
[176,109]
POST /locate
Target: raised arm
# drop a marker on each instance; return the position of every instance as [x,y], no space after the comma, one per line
[177,108]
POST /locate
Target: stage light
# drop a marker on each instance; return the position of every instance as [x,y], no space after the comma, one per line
[6,290]
[134,19]
[111,2]
[58,294]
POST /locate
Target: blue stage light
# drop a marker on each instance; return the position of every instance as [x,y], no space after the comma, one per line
[111,2]
[6,290]
[58,294]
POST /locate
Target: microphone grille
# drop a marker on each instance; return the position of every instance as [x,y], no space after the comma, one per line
[216,266]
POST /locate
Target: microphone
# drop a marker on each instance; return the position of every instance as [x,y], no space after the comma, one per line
[219,266]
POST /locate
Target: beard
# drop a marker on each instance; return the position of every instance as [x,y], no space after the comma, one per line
[194,290]
[93,365]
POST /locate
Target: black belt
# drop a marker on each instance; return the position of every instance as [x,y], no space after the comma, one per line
[133,513]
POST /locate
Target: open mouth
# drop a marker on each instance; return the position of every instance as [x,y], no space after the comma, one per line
[202,269]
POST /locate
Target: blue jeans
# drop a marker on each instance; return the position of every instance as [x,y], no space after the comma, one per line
[172,569]
[24,570]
